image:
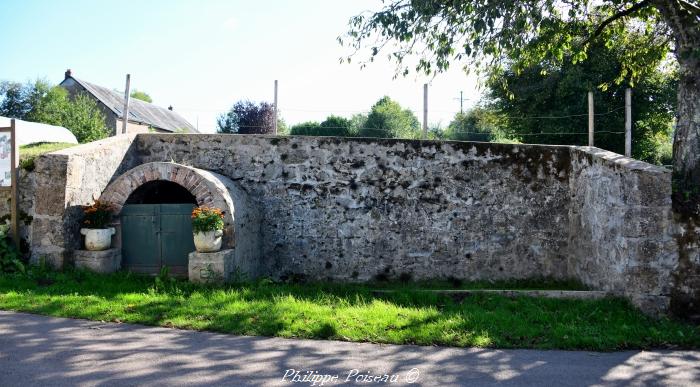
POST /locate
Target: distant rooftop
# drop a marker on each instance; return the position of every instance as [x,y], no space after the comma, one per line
[139,111]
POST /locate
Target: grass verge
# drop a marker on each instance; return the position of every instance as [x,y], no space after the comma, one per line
[29,152]
[346,312]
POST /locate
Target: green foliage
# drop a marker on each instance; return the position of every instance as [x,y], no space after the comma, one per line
[207,219]
[525,98]
[426,36]
[20,101]
[140,95]
[40,102]
[97,216]
[308,128]
[85,119]
[351,312]
[477,124]
[331,126]
[10,258]
[389,120]
[29,152]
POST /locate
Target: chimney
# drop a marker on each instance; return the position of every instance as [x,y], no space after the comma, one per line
[68,74]
[170,107]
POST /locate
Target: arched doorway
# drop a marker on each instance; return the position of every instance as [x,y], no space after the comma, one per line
[154,202]
[156,228]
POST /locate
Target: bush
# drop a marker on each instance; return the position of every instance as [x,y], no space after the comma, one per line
[10,261]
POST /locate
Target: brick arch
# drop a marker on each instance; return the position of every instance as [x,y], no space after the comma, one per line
[208,188]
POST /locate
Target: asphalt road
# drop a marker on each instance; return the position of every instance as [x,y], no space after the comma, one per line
[46,351]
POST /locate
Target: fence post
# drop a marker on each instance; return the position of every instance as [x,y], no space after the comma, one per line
[276,107]
[127,95]
[14,184]
[425,111]
[628,122]
[590,118]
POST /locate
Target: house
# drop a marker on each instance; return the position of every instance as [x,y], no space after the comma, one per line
[143,116]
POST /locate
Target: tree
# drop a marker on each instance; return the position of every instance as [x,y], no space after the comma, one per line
[331,126]
[18,100]
[388,119]
[41,102]
[490,34]
[559,89]
[477,124]
[308,128]
[140,95]
[246,117]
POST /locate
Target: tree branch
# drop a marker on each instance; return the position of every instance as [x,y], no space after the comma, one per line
[616,16]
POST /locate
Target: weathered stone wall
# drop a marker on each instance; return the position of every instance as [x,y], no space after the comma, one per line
[362,209]
[622,229]
[67,179]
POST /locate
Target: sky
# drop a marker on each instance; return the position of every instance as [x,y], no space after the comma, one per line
[203,56]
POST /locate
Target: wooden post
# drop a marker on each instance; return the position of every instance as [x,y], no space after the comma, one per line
[125,116]
[628,122]
[590,118]
[276,117]
[425,111]
[14,185]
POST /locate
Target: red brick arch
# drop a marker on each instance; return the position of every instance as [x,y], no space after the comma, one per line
[208,189]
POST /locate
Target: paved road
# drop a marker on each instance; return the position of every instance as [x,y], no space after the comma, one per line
[45,351]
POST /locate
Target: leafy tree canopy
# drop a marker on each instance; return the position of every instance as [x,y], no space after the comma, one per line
[388,119]
[546,102]
[140,95]
[41,102]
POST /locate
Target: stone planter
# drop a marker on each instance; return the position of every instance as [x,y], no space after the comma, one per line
[208,241]
[98,239]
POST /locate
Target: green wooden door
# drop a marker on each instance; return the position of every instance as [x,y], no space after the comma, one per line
[156,235]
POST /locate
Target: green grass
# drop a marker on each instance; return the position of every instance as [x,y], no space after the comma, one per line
[347,312]
[29,152]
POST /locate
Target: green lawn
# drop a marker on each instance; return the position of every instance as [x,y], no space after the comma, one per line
[347,312]
[27,153]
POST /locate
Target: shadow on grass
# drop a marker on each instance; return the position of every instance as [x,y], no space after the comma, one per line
[347,312]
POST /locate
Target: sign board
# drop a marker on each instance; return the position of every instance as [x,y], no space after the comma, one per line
[5,159]
[9,176]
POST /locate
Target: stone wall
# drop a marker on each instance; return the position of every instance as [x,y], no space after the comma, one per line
[67,179]
[365,209]
[369,209]
[622,229]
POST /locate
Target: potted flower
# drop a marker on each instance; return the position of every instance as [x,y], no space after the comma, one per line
[96,220]
[207,227]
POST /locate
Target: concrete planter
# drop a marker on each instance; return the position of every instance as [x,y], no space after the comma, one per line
[98,239]
[208,241]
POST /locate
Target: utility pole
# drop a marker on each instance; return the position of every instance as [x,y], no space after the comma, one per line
[590,118]
[628,122]
[425,111]
[125,116]
[275,107]
[461,102]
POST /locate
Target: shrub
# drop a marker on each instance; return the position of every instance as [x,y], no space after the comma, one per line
[9,256]
[98,215]
[207,219]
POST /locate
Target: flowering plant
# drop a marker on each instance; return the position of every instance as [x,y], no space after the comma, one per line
[98,215]
[207,219]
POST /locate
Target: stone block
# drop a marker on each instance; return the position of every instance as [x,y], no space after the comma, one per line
[218,267]
[106,261]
